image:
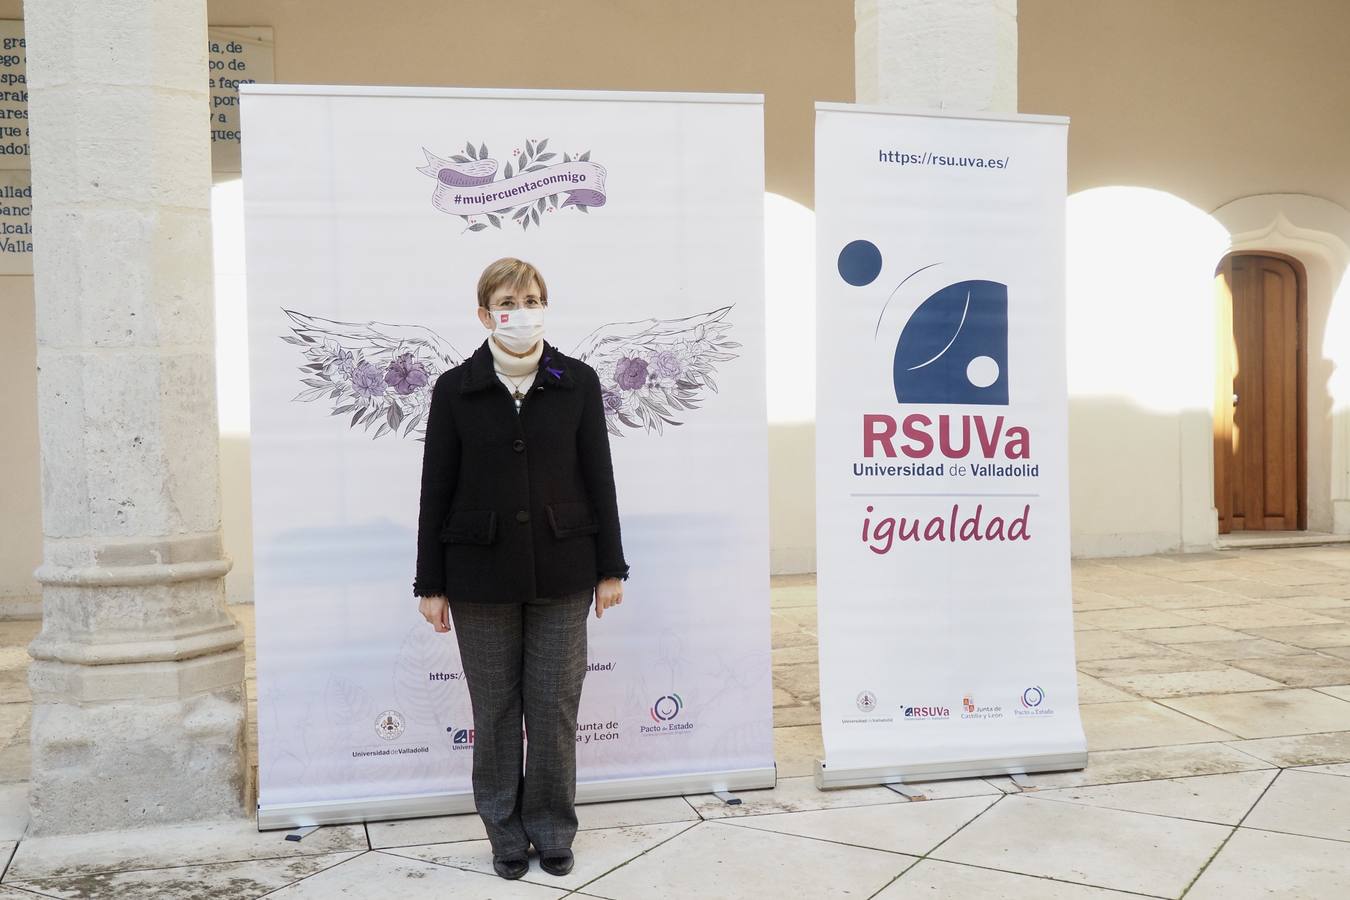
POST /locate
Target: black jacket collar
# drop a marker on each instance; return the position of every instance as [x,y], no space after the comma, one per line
[555,369]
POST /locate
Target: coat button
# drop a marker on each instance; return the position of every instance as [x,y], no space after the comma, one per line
[522,516]
[518,445]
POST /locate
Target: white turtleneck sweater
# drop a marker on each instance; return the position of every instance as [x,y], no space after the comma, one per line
[521,369]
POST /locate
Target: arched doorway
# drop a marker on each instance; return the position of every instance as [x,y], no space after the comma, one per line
[1260,428]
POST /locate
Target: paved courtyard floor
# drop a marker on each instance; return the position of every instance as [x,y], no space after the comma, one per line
[1215,691]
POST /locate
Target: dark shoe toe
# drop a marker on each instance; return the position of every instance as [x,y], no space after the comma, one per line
[556,862]
[511,867]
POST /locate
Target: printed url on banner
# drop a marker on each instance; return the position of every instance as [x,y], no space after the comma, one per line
[929,158]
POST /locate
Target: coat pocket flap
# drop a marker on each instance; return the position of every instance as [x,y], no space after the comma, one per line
[470,526]
[572,517]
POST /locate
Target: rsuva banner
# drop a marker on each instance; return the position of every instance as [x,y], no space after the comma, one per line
[370,213]
[946,635]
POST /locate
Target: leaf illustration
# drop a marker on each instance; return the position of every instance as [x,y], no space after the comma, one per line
[384,427]
[506,173]
[520,212]
[542,145]
[544,156]
[585,156]
[553,200]
[459,157]
[538,167]
[566,158]
[477,227]
[529,147]
[534,214]
[468,148]
[482,151]
[580,207]
[540,204]
[496,222]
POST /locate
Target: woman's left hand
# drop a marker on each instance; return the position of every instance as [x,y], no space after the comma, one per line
[609,592]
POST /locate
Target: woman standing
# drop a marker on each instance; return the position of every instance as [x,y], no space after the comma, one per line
[518,529]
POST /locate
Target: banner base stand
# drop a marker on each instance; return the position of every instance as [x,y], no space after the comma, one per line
[829,778]
[379,809]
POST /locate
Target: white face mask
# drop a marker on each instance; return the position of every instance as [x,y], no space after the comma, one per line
[518,329]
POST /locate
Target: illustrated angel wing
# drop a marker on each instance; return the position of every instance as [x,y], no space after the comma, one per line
[653,370]
[374,371]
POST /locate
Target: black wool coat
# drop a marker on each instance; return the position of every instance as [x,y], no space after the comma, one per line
[516,506]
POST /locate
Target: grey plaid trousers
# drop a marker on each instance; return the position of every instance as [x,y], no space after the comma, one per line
[524,659]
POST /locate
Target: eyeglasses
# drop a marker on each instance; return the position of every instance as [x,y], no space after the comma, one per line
[530,303]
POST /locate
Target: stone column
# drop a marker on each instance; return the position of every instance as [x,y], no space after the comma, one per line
[138,673]
[959,55]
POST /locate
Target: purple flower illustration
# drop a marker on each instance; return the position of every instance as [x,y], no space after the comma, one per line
[667,364]
[613,401]
[405,375]
[631,373]
[344,362]
[366,380]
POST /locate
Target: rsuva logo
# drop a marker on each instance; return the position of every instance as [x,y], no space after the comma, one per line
[954,348]
[667,708]
[460,738]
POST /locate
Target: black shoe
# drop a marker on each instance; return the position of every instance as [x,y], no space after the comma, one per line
[512,867]
[556,862]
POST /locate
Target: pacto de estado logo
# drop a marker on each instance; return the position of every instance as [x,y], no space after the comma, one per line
[667,708]
[534,184]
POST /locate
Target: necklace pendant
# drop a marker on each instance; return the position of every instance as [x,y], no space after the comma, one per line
[518,396]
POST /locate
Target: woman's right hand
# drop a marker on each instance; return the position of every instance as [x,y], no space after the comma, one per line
[436,610]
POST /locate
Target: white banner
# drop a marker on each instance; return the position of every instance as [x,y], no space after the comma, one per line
[946,634]
[361,280]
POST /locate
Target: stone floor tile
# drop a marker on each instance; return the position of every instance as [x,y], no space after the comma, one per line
[1337,690]
[800,681]
[1313,804]
[1158,662]
[379,875]
[234,840]
[621,813]
[1098,847]
[1115,766]
[789,716]
[796,749]
[13,811]
[1085,600]
[237,880]
[1221,799]
[597,851]
[1186,634]
[1093,645]
[719,860]
[791,795]
[788,656]
[1341,652]
[1315,602]
[1299,750]
[1139,617]
[426,830]
[1301,670]
[1094,690]
[1247,648]
[1254,616]
[7,849]
[1267,713]
[932,879]
[1264,864]
[913,828]
[1312,637]
[1196,599]
[1143,723]
[1182,684]
[1339,769]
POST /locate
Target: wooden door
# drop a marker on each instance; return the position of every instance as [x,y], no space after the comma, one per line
[1258,421]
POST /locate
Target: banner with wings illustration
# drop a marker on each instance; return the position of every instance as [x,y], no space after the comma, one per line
[361,293]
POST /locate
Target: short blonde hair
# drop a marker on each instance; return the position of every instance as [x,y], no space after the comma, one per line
[509,270]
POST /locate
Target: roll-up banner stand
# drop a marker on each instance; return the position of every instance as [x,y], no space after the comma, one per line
[946,632]
[370,213]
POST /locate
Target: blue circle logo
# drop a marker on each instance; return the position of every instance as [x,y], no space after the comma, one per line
[859,262]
